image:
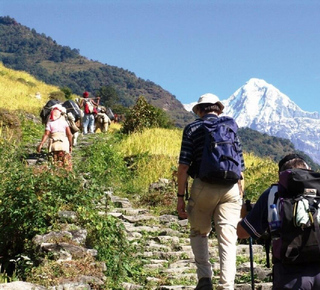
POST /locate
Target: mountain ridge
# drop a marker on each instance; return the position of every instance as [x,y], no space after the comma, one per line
[24,49]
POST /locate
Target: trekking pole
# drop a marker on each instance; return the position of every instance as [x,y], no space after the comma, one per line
[249,207]
[251,263]
[187,191]
[267,248]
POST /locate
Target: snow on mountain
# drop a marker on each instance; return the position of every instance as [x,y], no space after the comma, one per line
[189,107]
[262,107]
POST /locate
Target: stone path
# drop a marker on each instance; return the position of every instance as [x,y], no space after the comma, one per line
[163,244]
[168,252]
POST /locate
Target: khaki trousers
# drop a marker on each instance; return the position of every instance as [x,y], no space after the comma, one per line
[223,204]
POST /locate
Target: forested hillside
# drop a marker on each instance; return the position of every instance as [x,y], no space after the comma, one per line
[264,145]
[22,48]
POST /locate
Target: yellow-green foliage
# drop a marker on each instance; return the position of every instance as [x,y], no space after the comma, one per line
[161,150]
[259,175]
[18,91]
[154,141]
[162,147]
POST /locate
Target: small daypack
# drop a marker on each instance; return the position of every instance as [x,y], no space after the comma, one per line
[297,197]
[88,107]
[221,162]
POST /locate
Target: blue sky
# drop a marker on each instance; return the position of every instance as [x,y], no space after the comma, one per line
[191,47]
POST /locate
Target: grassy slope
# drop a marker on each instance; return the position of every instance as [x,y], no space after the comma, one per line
[18,91]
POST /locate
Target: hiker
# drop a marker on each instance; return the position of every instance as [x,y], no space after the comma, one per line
[102,121]
[255,224]
[208,200]
[89,111]
[73,117]
[60,137]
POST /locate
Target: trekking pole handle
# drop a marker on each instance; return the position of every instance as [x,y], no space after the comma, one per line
[187,191]
[248,205]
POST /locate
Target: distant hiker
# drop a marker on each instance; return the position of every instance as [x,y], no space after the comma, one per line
[217,198]
[296,263]
[73,116]
[89,108]
[102,121]
[60,137]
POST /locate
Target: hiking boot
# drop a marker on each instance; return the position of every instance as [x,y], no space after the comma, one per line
[204,284]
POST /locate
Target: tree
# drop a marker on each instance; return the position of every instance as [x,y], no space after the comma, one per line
[143,115]
[67,92]
[108,95]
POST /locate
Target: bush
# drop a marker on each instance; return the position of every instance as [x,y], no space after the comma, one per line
[104,166]
[108,236]
[67,92]
[58,95]
[30,202]
[144,115]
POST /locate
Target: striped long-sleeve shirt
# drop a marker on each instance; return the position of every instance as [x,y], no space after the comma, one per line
[193,143]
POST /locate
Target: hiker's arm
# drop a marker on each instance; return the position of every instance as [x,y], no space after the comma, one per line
[182,181]
[241,185]
[69,135]
[255,223]
[44,139]
[241,232]
[81,103]
[97,102]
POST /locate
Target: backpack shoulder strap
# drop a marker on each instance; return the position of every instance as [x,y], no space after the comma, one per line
[272,198]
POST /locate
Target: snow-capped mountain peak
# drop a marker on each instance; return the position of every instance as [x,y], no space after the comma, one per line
[262,107]
[257,100]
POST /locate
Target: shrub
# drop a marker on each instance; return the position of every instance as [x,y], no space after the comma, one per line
[144,115]
[67,92]
[104,166]
[108,236]
[10,125]
[58,95]
[30,205]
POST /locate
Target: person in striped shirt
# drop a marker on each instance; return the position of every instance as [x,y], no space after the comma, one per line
[222,202]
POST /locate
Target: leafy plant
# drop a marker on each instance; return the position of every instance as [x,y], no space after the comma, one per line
[144,115]
[105,166]
[108,236]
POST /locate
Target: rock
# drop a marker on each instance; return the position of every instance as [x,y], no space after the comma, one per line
[19,285]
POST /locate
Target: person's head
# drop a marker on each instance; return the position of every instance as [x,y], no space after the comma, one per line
[56,112]
[85,94]
[208,103]
[292,161]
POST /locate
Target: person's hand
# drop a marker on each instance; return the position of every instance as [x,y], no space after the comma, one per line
[244,211]
[181,209]
[246,208]
[39,148]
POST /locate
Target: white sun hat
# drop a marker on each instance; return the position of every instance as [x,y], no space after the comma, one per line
[208,99]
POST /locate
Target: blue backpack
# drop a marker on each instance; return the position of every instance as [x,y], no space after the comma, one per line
[221,162]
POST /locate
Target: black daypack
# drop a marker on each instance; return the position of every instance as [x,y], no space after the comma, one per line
[297,241]
[221,162]
[73,108]
[46,110]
